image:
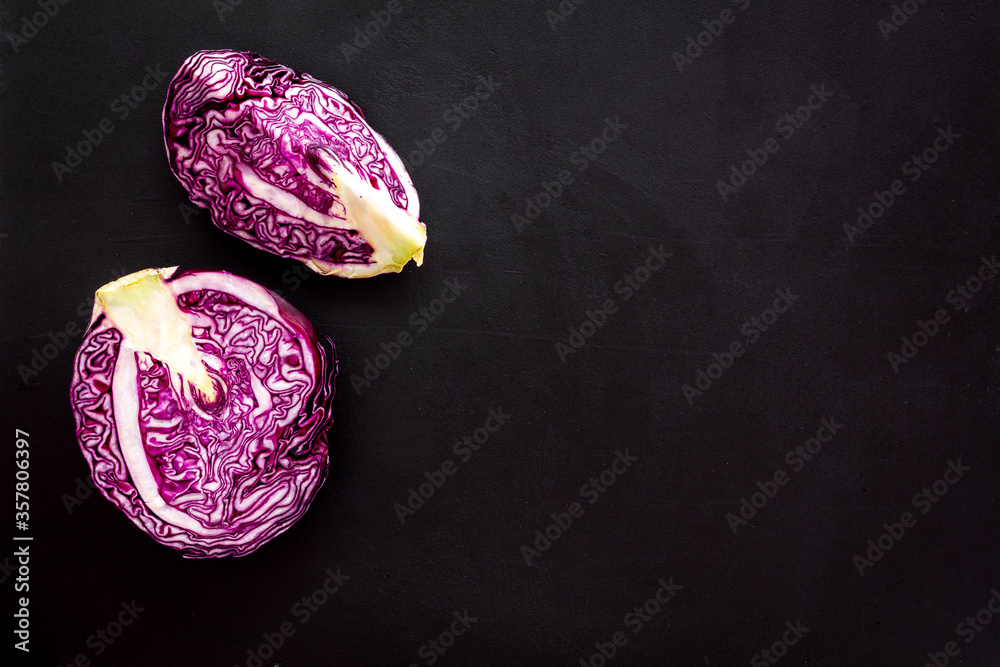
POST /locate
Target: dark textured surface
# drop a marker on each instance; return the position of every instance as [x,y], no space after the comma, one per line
[495,346]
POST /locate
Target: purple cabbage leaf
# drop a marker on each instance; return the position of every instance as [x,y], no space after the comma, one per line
[288,164]
[202,402]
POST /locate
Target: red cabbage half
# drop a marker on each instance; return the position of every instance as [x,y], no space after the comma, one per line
[202,402]
[288,164]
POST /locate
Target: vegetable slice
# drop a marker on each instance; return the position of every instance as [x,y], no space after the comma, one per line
[202,402]
[288,164]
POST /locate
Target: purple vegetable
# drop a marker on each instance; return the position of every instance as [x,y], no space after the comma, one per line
[202,402]
[288,164]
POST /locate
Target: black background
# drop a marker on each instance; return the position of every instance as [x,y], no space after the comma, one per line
[495,346]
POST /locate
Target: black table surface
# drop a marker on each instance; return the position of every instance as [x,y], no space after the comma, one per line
[746,351]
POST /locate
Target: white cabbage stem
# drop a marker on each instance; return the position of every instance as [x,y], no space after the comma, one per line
[144,309]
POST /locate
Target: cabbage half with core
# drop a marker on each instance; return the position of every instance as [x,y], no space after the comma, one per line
[288,164]
[202,402]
